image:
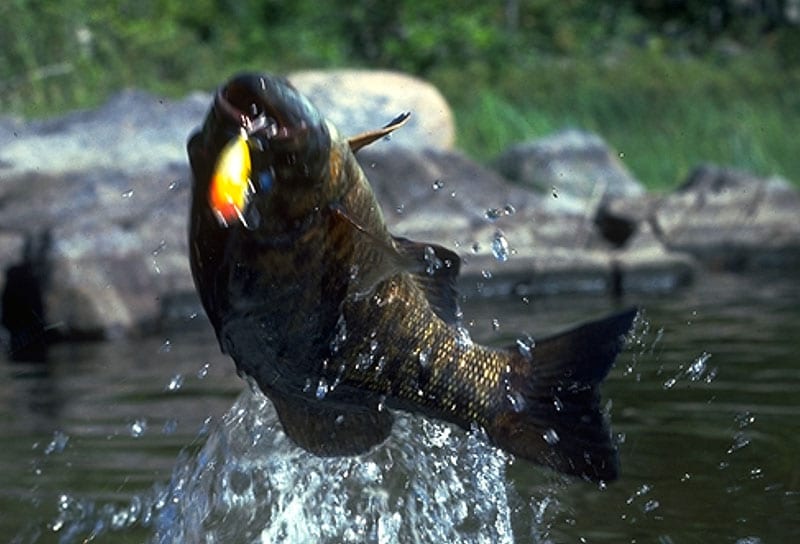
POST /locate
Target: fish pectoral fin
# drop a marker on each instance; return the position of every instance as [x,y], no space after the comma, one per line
[435,271]
[332,430]
[365,138]
[386,260]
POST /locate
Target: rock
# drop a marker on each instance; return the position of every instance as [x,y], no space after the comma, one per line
[445,198]
[438,196]
[118,243]
[728,219]
[109,190]
[577,168]
[133,132]
[361,100]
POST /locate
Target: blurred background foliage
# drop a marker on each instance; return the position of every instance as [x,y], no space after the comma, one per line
[668,83]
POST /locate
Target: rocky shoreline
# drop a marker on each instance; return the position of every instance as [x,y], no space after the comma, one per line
[93,209]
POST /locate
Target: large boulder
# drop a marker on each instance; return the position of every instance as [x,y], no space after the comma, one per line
[576,168]
[133,132]
[108,188]
[361,100]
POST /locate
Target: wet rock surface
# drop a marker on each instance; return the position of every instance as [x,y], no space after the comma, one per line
[578,168]
[93,216]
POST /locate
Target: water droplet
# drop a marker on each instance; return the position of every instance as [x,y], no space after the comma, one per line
[476,247]
[644,489]
[400,208]
[517,401]
[744,419]
[161,245]
[424,357]
[486,274]
[170,426]
[57,444]
[381,403]
[127,194]
[557,404]
[175,383]
[650,505]
[493,214]
[525,346]
[203,372]
[437,185]
[740,440]
[166,347]
[432,262]
[341,335]
[670,383]
[138,427]
[322,389]
[551,437]
[555,192]
[495,324]
[500,246]
[698,367]
[174,185]
[621,154]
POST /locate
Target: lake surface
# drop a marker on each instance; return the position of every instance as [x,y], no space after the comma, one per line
[153,439]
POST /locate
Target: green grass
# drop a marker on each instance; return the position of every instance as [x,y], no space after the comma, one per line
[664,116]
[664,113]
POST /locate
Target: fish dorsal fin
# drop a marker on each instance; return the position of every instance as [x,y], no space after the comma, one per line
[436,273]
[365,138]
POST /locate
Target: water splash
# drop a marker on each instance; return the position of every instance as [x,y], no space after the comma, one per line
[249,483]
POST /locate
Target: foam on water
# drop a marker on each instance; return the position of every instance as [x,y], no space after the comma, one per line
[249,483]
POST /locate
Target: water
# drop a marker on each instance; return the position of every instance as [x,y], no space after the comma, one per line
[134,442]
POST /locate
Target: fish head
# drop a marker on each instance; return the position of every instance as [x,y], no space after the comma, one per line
[261,159]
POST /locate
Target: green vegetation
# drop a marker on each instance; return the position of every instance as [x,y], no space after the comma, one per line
[669,84]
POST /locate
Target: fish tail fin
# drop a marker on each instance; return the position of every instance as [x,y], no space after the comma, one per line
[551,414]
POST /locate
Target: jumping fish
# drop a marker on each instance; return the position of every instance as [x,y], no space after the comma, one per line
[339,322]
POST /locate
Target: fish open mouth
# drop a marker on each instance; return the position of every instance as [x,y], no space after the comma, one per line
[274,136]
[257,106]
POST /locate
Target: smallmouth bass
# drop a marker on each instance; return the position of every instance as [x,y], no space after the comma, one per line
[339,322]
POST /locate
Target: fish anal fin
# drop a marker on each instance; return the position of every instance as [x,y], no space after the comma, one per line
[552,413]
[435,271]
[365,138]
[330,430]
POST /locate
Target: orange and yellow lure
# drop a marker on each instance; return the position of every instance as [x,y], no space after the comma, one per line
[230,186]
